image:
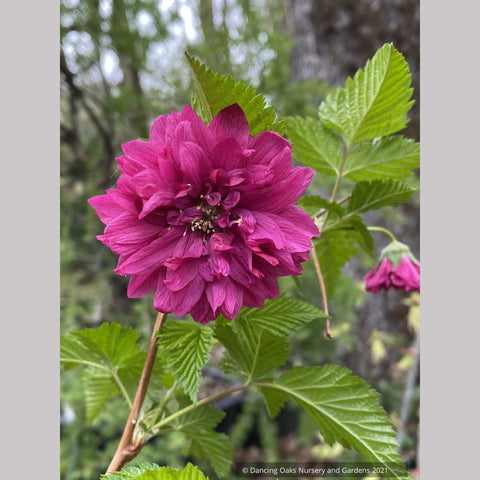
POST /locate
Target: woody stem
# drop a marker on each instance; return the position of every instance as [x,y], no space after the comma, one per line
[328,333]
[126,449]
[316,262]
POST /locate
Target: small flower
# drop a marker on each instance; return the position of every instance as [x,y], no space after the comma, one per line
[407,275]
[206,216]
[397,268]
[379,277]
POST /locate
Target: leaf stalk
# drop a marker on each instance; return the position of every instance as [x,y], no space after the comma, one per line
[193,406]
[383,230]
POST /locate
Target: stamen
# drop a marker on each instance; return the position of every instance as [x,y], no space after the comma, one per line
[210,214]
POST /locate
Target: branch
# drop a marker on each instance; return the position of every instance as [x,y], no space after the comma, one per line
[324,210]
[204,401]
[328,333]
[127,450]
[79,95]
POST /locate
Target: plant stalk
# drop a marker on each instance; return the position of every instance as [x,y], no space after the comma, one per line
[328,332]
[204,401]
[127,450]
[383,230]
[316,262]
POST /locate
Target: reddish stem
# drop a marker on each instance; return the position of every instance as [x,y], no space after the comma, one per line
[127,450]
[316,262]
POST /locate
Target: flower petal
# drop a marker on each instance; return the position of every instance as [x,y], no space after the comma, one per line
[141,285]
[280,195]
[216,292]
[233,300]
[149,257]
[379,277]
[195,166]
[126,230]
[407,275]
[163,128]
[227,155]
[200,133]
[179,277]
[106,207]
[202,312]
[231,123]
[184,300]
[142,152]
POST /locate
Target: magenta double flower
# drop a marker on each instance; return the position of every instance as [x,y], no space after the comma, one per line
[205,216]
[397,268]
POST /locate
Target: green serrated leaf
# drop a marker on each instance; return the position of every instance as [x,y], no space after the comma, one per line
[99,388]
[274,400]
[111,344]
[216,448]
[112,359]
[281,316]
[188,346]
[376,194]
[346,410]
[314,145]
[313,203]
[334,249]
[344,229]
[74,353]
[198,420]
[215,91]
[155,472]
[362,235]
[374,103]
[130,472]
[198,425]
[251,351]
[390,157]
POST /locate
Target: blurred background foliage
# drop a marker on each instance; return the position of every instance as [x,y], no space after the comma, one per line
[122,65]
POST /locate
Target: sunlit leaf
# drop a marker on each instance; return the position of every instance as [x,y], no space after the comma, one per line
[314,145]
[251,351]
[215,91]
[149,471]
[390,157]
[374,103]
[188,346]
[113,362]
[345,410]
[376,194]
[282,316]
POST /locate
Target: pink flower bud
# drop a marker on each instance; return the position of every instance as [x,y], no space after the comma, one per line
[397,268]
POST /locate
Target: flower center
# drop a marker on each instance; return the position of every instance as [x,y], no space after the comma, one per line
[206,222]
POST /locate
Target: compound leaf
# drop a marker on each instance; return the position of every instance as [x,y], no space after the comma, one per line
[188,346]
[282,316]
[346,410]
[388,157]
[215,91]
[376,194]
[314,145]
[251,351]
[374,103]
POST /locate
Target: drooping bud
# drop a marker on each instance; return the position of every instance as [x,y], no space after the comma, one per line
[397,267]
